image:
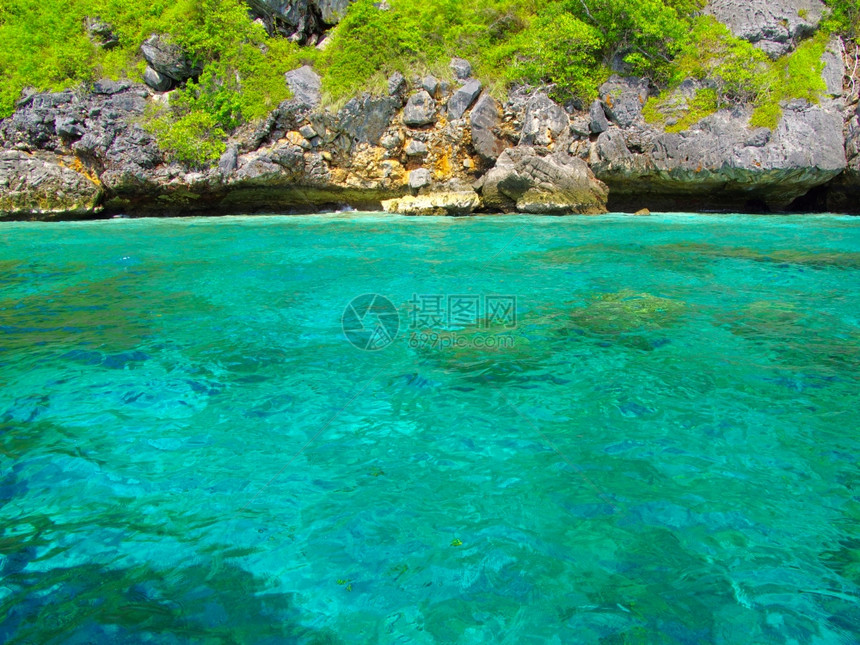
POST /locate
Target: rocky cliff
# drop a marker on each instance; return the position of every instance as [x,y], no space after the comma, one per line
[428,146]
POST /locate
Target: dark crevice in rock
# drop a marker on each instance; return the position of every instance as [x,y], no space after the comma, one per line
[815,201]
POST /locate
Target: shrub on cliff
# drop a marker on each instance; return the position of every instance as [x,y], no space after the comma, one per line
[45,46]
[567,44]
[734,71]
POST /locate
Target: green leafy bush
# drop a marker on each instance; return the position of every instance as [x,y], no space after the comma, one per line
[194,138]
[557,47]
[741,73]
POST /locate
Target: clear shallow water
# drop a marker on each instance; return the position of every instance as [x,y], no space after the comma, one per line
[192,452]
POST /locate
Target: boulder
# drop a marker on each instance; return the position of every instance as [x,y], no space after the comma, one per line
[332,10]
[31,186]
[598,122]
[107,87]
[771,25]
[463,98]
[169,59]
[524,180]
[68,128]
[156,80]
[416,148]
[445,203]
[228,161]
[302,20]
[305,85]
[544,121]
[461,67]
[623,99]
[430,85]
[485,118]
[397,85]
[419,178]
[420,110]
[365,119]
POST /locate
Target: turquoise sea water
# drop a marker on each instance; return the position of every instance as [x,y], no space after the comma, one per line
[662,449]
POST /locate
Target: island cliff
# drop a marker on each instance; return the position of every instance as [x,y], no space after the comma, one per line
[432,146]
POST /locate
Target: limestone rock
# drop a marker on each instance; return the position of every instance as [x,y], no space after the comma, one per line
[169,59]
[720,161]
[461,67]
[101,33]
[485,118]
[30,186]
[302,20]
[623,99]
[68,128]
[305,85]
[156,80]
[416,148]
[420,110]
[771,25]
[544,121]
[397,85]
[527,182]
[366,118]
[463,98]
[419,178]
[430,85]
[445,203]
[332,10]
[599,123]
[834,69]
[228,161]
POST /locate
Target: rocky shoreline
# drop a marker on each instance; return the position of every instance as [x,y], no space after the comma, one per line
[428,147]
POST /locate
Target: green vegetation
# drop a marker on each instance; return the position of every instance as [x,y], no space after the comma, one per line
[568,44]
[736,71]
[45,46]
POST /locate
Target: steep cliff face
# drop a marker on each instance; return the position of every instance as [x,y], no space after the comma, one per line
[426,146]
[774,26]
[721,162]
[424,140]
